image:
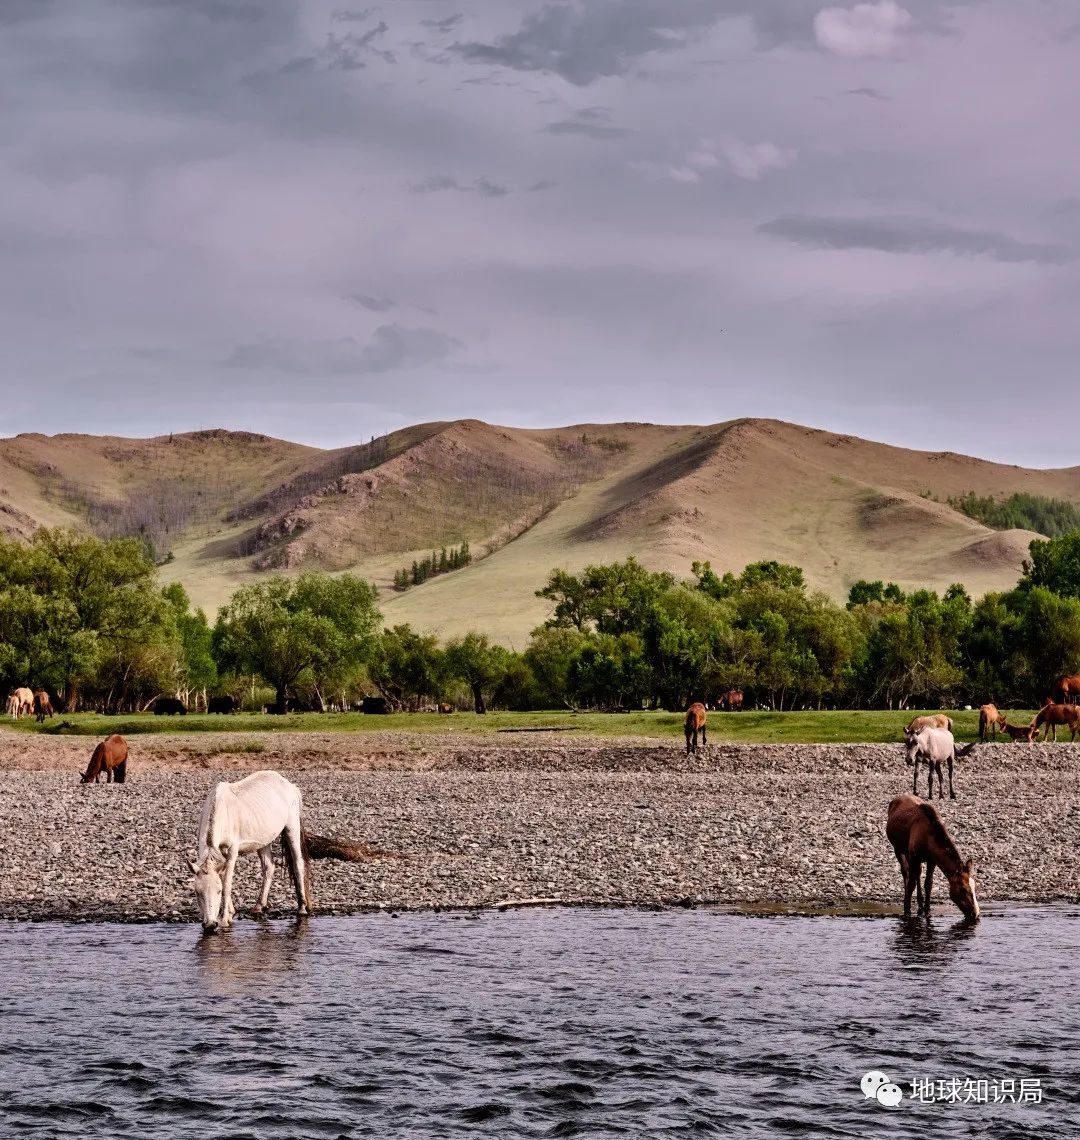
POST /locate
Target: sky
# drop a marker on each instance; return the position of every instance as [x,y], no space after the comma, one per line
[324,222]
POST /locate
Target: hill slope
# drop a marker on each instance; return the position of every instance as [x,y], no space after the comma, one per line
[231,506]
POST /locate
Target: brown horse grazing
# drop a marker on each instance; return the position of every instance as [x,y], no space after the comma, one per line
[1019,731]
[933,720]
[693,725]
[1051,715]
[446,709]
[42,706]
[918,836]
[1066,687]
[990,720]
[731,701]
[109,757]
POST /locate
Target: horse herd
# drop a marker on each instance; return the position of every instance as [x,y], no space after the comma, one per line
[249,815]
[25,702]
[919,838]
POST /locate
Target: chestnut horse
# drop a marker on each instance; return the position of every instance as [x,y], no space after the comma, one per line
[732,700]
[1066,687]
[918,836]
[1051,715]
[693,725]
[42,706]
[109,757]
[990,720]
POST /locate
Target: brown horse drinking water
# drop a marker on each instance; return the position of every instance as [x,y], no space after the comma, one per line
[919,837]
[109,757]
[694,725]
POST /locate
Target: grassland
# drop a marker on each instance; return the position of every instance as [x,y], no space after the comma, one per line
[829,727]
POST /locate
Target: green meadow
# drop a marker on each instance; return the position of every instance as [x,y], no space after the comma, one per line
[845,726]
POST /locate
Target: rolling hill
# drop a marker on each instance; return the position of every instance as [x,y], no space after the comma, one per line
[225,507]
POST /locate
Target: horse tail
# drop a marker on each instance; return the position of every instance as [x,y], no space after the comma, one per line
[347,850]
[967,748]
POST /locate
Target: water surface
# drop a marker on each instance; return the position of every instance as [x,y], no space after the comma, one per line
[541,1023]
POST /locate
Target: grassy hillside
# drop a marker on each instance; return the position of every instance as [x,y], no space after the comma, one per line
[229,507]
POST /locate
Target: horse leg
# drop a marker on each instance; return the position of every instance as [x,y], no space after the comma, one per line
[929,884]
[704,738]
[915,778]
[952,794]
[293,839]
[266,858]
[108,774]
[913,884]
[227,900]
[903,861]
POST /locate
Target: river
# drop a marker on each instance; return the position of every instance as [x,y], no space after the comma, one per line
[544,1023]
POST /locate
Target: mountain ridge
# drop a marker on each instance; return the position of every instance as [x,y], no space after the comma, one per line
[228,507]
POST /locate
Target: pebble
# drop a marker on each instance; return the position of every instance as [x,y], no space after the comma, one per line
[472,823]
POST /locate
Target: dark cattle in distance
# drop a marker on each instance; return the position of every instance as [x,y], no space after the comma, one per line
[223,704]
[378,705]
[169,706]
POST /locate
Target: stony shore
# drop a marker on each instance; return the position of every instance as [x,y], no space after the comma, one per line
[481,822]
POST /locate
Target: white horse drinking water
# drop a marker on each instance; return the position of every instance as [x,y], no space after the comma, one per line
[248,816]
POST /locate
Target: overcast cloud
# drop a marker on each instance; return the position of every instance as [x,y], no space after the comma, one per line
[325,221]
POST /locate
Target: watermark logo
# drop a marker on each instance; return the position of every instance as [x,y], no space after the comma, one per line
[877,1086]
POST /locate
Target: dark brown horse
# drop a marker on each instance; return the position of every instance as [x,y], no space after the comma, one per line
[731,701]
[42,706]
[919,837]
[1051,715]
[109,757]
[1066,687]
[693,726]
[446,709]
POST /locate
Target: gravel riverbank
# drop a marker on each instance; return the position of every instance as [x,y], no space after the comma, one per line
[483,822]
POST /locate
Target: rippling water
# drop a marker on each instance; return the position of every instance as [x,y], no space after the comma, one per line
[541,1023]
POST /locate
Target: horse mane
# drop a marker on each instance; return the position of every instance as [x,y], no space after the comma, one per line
[97,763]
[937,827]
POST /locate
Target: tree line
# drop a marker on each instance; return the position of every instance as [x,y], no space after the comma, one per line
[441,562]
[87,620]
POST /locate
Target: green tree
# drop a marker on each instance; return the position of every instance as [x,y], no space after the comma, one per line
[196,667]
[1055,565]
[311,628]
[477,662]
[70,602]
[407,667]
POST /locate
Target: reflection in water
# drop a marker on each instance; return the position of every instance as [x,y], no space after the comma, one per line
[250,952]
[925,943]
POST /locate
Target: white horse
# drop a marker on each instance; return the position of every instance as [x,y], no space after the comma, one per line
[933,745]
[236,820]
[20,703]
